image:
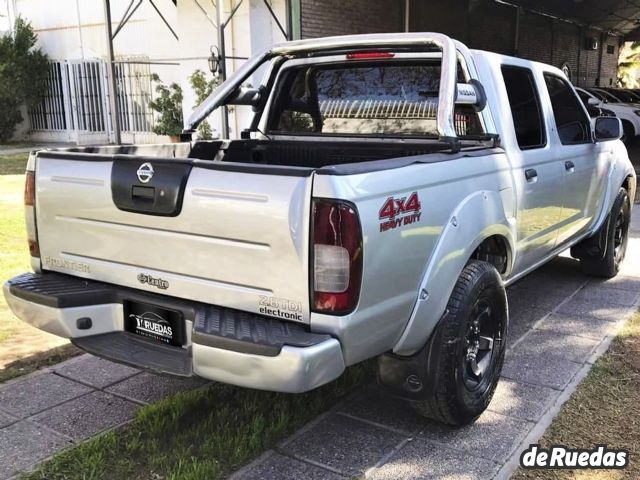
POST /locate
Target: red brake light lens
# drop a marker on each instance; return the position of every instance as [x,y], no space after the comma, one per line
[30,189]
[30,201]
[369,55]
[34,248]
[337,257]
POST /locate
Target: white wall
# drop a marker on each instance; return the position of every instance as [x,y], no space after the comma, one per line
[6,16]
[75,29]
[197,35]
[251,30]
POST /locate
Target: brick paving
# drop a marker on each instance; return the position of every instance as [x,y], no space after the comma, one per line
[561,321]
[44,412]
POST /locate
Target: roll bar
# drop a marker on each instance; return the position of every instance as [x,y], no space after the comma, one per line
[448,92]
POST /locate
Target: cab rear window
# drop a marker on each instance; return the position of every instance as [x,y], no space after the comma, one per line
[389,98]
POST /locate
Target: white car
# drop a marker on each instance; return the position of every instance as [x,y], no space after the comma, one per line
[617,95]
[627,112]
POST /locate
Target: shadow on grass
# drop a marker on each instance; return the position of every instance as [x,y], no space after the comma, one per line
[201,434]
[37,361]
[13,164]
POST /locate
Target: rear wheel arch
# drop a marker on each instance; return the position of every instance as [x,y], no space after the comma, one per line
[496,250]
[453,376]
[463,240]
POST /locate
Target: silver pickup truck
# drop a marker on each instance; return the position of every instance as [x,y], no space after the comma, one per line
[387,190]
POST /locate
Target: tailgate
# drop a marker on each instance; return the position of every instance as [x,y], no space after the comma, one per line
[234,236]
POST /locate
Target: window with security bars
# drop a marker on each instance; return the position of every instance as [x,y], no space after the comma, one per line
[51,112]
[77,97]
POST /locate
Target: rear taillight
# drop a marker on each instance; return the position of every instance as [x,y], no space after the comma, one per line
[30,189]
[34,248]
[337,257]
[30,212]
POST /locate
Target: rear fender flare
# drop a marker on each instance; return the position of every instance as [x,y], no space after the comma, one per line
[478,217]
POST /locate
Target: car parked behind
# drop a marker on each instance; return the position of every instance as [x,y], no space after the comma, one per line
[628,113]
[595,111]
[624,95]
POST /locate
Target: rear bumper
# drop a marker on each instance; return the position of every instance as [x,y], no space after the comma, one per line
[222,345]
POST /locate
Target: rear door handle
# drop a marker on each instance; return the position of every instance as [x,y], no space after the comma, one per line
[531,174]
[569,166]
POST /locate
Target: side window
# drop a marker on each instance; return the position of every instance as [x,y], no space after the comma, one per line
[525,107]
[571,121]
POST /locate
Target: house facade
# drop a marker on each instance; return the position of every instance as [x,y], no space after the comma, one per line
[174,38]
[159,38]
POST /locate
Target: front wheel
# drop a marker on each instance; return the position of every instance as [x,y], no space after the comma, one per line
[602,254]
[628,132]
[467,348]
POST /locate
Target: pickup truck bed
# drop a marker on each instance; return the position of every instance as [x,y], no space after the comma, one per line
[316,155]
[301,153]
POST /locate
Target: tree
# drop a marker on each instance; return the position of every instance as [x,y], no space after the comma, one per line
[23,75]
[169,106]
[629,65]
[203,88]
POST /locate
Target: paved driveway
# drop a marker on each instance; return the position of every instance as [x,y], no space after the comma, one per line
[560,322]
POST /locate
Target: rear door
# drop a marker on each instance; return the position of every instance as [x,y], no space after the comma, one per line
[232,235]
[538,175]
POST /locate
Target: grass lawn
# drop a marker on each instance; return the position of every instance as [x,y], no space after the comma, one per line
[13,164]
[10,146]
[30,362]
[203,434]
[14,256]
[22,348]
[604,410]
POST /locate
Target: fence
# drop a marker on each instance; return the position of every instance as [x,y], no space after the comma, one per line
[76,101]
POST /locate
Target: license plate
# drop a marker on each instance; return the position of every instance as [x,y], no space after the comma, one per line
[155,323]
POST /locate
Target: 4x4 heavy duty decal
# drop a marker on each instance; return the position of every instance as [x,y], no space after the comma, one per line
[400,211]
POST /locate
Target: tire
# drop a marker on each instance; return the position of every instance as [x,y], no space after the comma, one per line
[628,132]
[466,378]
[602,254]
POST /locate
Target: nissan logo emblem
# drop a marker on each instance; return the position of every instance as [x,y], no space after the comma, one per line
[145,172]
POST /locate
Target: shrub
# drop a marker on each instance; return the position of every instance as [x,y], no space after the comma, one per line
[168,105]
[203,88]
[23,75]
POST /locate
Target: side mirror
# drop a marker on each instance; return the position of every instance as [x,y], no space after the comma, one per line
[608,128]
[593,101]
